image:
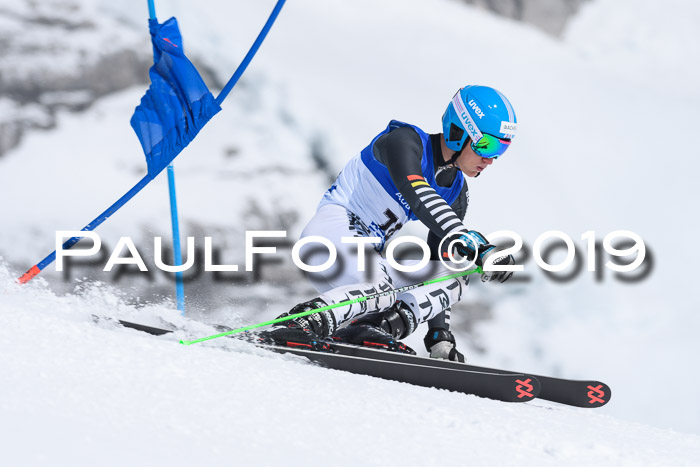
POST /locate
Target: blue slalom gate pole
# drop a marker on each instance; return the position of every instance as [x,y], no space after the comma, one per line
[177,251]
[51,257]
[174,220]
[251,53]
[154,171]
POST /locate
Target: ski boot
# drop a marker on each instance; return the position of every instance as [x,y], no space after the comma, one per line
[441,344]
[308,332]
[381,330]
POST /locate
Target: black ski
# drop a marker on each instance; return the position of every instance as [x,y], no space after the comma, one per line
[578,393]
[144,328]
[504,387]
[509,387]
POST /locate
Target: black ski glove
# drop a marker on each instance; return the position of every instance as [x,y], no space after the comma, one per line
[474,242]
[441,344]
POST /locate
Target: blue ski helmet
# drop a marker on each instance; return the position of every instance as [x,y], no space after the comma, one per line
[475,110]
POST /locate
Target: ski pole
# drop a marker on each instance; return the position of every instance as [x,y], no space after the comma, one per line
[336,305]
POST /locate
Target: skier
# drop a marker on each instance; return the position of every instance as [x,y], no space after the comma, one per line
[403,174]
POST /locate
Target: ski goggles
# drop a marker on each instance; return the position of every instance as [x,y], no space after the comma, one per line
[490,147]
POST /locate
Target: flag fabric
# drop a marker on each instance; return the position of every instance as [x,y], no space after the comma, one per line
[177,104]
[171,113]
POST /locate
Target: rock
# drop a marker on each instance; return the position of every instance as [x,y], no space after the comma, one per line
[550,16]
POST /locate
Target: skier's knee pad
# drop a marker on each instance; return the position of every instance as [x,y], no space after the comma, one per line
[399,320]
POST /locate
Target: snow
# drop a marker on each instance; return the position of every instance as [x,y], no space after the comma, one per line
[605,118]
[75,393]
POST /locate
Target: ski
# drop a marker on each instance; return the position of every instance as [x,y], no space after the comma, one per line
[508,387]
[577,393]
[142,327]
[504,387]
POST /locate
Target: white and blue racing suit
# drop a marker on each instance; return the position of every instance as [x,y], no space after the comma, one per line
[399,177]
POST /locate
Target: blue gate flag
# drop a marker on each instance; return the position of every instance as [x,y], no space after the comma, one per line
[177,104]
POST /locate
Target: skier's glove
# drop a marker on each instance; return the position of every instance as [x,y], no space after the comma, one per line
[475,244]
[441,344]
[500,276]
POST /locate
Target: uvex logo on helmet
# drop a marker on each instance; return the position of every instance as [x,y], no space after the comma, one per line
[476,108]
[471,129]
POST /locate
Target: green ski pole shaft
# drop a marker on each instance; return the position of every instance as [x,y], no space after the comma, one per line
[335,305]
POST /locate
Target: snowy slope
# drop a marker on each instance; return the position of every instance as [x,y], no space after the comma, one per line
[593,154]
[77,393]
